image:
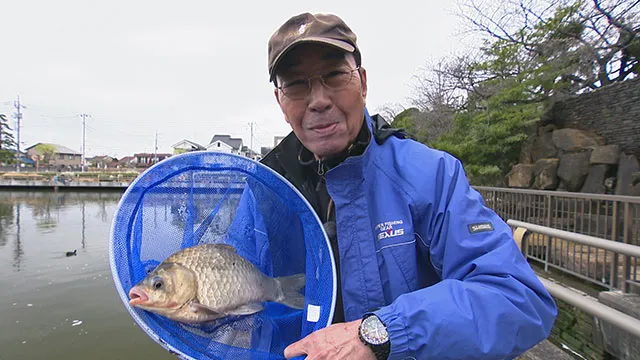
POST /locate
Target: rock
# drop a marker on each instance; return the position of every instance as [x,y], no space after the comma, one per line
[527,149]
[594,184]
[546,129]
[573,140]
[608,154]
[635,184]
[610,185]
[545,171]
[543,147]
[573,169]
[562,186]
[521,175]
[626,168]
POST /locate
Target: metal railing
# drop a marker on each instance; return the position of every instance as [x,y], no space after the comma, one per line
[593,307]
[551,240]
[582,301]
[606,217]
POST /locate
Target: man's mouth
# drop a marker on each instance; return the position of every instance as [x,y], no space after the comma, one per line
[324,129]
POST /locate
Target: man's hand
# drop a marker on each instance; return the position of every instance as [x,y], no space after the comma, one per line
[338,341]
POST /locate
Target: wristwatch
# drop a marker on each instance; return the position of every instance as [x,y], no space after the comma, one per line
[373,333]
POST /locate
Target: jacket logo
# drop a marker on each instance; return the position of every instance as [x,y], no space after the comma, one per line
[480,227]
[389,229]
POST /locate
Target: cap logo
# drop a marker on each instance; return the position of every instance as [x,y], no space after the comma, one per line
[302,28]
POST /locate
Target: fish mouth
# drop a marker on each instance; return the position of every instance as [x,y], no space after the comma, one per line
[137,296]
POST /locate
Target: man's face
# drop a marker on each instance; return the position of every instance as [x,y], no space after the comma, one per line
[325,120]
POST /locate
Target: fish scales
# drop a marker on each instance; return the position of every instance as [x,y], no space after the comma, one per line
[210,281]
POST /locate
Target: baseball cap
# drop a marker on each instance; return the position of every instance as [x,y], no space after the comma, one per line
[310,28]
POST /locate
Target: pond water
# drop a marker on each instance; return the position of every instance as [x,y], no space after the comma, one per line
[54,306]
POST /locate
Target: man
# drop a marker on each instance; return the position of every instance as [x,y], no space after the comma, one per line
[426,271]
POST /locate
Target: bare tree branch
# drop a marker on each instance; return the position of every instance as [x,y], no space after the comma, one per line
[611,19]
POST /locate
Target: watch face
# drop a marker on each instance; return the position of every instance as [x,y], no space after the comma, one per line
[373,331]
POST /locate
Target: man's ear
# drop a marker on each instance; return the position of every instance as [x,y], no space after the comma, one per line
[363,82]
[276,93]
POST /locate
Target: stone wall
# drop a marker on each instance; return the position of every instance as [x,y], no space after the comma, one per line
[575,160]
[588,143]
[612,112]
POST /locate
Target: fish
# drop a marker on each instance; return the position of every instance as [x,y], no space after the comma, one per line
[207,282]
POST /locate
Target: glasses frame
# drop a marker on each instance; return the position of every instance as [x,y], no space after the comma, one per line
[322,81]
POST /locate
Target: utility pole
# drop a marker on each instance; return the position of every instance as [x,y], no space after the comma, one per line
[84,146]
[251,139]
[18,117]
[155,149]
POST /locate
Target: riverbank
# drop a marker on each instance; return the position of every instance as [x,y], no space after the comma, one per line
[49,184]
[77,180]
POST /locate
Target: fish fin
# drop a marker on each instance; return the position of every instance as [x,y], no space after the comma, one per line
[196,307]
[290,287]
[247,309]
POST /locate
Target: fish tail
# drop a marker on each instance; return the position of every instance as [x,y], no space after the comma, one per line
[289,293]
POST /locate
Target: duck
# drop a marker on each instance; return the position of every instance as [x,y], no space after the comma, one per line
[72,253]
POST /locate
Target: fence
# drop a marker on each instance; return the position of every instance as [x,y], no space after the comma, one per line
[608,217]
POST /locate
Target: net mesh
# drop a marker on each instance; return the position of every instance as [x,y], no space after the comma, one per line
[206,197]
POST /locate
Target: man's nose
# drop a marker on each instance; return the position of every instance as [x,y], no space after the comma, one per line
[319,99]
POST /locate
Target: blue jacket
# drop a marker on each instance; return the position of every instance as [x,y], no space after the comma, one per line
[419,248]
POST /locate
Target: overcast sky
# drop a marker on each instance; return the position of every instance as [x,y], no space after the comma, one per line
[187,69]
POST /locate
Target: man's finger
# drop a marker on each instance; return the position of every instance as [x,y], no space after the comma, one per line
[296,349]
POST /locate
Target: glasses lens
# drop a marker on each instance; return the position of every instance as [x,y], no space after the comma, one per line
[334,80]
[297,90]
[338,79]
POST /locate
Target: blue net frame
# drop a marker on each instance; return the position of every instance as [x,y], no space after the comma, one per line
[210,197]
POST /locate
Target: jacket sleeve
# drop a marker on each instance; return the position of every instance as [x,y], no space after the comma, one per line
[489,303]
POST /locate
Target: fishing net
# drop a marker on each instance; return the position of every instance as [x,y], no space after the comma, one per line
[207,197]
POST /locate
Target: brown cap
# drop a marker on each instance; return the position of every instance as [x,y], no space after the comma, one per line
[307,28]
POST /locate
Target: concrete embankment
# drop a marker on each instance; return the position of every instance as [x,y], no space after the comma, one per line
[50,184]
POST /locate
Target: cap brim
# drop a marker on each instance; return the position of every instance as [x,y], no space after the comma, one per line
[342,45]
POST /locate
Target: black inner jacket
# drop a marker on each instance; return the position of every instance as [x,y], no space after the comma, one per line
[298,165]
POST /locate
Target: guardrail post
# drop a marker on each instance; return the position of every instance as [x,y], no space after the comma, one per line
[547,255]
[626,266]
[613,276]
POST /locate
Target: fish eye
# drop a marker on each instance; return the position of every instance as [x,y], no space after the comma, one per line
[157,282]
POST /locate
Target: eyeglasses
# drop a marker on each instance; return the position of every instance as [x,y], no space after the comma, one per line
[334,80]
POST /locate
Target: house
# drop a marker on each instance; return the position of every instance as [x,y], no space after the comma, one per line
[246,152]
[185,146]
[225,143]
[102,162]
[148,159]
[127,162]
[61,157]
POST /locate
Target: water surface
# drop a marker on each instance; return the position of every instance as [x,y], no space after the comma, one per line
[58,307]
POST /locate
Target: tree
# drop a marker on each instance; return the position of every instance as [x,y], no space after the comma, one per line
[7,142]
[534,52]
[44,154]
[585,44]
